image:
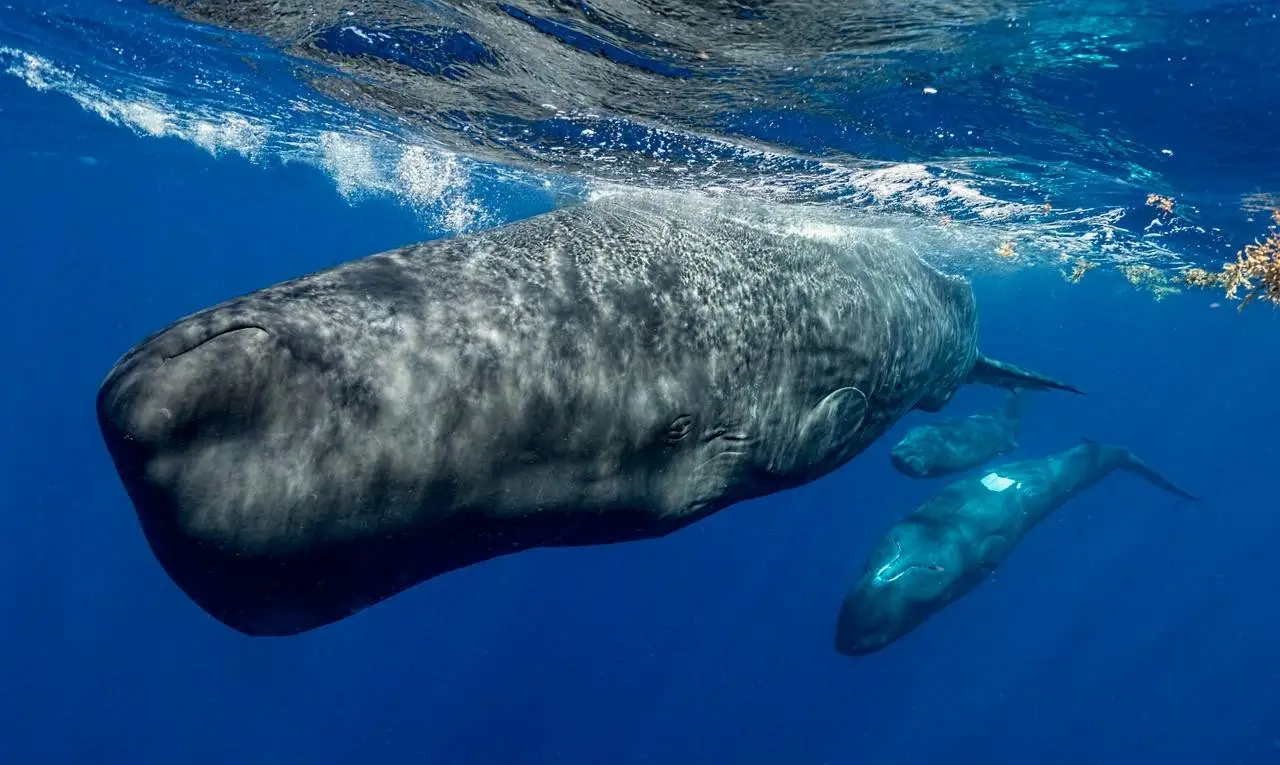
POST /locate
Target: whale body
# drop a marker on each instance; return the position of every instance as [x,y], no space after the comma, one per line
[954,540]
[606,372]
[952,445]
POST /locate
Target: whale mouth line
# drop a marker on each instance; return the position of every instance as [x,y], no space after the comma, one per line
[238,327]
[910,462]
[880,577]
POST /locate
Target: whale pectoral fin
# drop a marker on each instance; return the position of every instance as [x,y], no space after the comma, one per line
[993,551]
[827,430]
[1000,374]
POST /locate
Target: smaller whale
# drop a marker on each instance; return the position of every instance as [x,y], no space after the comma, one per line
[950,543]
[955,444]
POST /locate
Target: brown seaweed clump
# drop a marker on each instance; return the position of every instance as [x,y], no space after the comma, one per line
[1078,270]
[1259,261]
[1149,278]
[1164,203]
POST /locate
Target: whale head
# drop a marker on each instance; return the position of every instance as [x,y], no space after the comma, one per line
[910,460]
[903,582]
[305,451]
[241,435]
[916,455]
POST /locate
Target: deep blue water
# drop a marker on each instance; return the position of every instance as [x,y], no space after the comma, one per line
[1130,627]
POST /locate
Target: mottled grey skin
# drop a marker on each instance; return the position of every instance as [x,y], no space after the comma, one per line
[956,538]
[955,444]
[602,373]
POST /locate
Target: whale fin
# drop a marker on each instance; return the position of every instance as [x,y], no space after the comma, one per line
[992,553]
[829,428]
[1136,466]
[1012,409]
[987,371]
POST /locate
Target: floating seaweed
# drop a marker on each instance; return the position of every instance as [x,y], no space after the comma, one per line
[1151,279]
[1078,270]
[1258,261]
[1164,203]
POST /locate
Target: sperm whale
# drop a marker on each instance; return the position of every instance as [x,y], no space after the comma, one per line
[610,371]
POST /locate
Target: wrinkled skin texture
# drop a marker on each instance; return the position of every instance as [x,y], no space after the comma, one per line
[956,538]
[597,374]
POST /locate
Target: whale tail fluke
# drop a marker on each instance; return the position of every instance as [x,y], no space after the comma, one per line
[1129,461]
[987,371]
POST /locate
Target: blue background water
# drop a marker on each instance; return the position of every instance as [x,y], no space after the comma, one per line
[1131,627]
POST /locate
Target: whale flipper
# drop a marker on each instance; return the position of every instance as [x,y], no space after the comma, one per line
[1012,409]
[1129,461]
[1000,374]
[829,427]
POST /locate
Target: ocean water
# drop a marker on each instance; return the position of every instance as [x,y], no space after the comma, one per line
[158,158]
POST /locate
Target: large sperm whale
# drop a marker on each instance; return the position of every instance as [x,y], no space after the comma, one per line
[606,372]
[956,538]
[954,444]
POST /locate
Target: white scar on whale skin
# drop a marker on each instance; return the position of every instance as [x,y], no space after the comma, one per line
[880,578]
[998,483]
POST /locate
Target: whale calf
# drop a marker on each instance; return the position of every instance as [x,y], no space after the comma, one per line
[951,542]
[605,372]
[955,444]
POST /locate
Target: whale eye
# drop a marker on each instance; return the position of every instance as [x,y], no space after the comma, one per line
[680,429]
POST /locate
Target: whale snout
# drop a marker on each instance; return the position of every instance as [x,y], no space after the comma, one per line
[165,394]
[909,462]
[199,421]
[866,621]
